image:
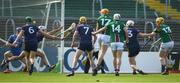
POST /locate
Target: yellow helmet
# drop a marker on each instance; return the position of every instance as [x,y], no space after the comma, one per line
[104,11]
[82,19]
[159,20]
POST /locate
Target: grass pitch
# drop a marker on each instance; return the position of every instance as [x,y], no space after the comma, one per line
[42,77]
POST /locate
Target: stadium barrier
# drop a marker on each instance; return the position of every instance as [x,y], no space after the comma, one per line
[147,61]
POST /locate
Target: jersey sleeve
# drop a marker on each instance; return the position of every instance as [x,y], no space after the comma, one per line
[155,30]
[77,29]
[23,28]
[109,25]
[137,31]
[37,28]
[92,29]
[10,39]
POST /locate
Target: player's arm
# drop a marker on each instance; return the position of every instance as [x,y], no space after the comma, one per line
[97,26]
[49,36]
[71,29]
[100,30]
[94,39]
[21,33]
[54,31]
[126,34]
[8,42]
[152,33]
[68,31]
[73,39]
[144,34]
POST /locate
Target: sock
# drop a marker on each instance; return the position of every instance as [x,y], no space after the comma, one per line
[163,67]
[98,67]
[73,69]
[117,70]
[47,65]
[7,61]
[134,70]
[7,66]
[134,67]
[32,65]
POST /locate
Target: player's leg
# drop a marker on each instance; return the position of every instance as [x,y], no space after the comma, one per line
[21,56]
[118,48]
[118,61]
[132,63]
[7,55]
[87,66]
[114,52]
[101,54]
[89,54]
[104,44]
[74,63]
[115,62]
[31,59]
[132,53]
[114,59]
[95,54]
[27,61]
[89,49]
[23,60]
[41,54]
[164,51]
[163,61]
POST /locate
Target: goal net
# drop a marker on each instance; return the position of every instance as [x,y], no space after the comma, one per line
[48,13]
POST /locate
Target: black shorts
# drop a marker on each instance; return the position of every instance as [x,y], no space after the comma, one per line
[31,46]
[133,51]
[85,47]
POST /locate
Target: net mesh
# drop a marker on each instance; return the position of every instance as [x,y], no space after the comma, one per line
[17,10]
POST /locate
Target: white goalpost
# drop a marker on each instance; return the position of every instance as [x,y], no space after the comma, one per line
[61,59]
[61,48]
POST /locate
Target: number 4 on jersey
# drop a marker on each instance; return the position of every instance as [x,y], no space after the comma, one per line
[116,29]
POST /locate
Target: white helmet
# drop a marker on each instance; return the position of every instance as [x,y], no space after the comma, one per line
[41,27]
[117,16]
[130,23]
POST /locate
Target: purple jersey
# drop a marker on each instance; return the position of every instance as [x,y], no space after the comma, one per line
[85,35]
[15,50]
[40,37]
[133,45]
[30,33]
[132,34]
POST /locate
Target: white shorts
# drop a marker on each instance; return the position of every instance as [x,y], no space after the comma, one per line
[167,47]
[117,46]
[103,39]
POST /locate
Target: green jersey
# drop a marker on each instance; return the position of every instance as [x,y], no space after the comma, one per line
[104,20]
[116,31]
[165,33]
